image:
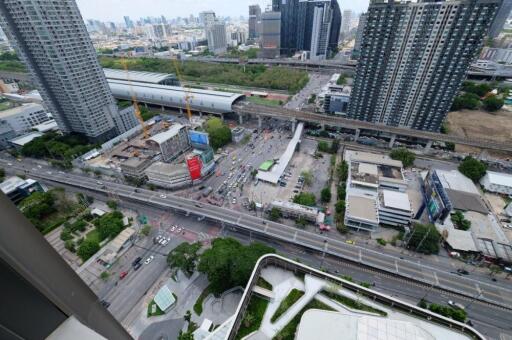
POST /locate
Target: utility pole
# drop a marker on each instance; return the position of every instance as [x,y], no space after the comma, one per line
[423,239]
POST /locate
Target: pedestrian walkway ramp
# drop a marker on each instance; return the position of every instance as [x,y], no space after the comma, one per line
[264,293]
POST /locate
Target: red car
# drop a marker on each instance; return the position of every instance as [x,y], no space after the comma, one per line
[123,275]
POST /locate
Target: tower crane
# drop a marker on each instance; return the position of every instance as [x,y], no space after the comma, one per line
[188,96]
[134,100]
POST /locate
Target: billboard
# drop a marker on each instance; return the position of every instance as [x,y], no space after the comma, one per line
[194,167]
[198,138]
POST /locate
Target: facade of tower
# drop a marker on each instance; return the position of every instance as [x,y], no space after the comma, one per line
[501,18]
[51,39]
[254,19]
[414,57]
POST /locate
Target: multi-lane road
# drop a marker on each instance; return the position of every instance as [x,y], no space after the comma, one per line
[471,288]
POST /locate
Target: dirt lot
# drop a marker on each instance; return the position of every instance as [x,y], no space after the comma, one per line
[480,124]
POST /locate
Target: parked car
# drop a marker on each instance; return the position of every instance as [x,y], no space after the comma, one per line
[456,304]
[149,259]
[137,260]
[123,275]
[137,266]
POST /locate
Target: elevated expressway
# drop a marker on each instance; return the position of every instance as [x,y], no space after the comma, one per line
[422,275]
[243,108]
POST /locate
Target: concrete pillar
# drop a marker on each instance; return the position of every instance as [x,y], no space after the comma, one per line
[163,109]
[428,146]
[293,125]
[200,114]
[259,122]
[356,137]
[240,119]
[392,141]
[146,105]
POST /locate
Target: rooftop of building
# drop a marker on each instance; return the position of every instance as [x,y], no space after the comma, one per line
[140,76]
[295,206]
[166,135]
[134,162]
[455,180]
[373,158]
[498,178]
[10,184]
[363,208]
[49,125]
[22,140]
[466,201]
[14,110]
[395,200]
[167,169]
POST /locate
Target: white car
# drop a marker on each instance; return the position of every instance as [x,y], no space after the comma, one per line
[9,164]
[173,228]
[149,259]
[233,201]
[163,196]
[164,242]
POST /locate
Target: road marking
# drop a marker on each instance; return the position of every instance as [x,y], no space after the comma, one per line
[396,265]
[478,289]
[360,255]
[295,236]
[436,278]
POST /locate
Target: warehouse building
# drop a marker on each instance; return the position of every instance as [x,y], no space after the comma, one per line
[497,182]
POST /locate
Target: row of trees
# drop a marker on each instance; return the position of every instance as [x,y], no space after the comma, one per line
[457,314]
[339,214]
[249,75]
[471,99]
[405,156]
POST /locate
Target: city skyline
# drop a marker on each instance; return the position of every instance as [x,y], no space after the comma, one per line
[114,10]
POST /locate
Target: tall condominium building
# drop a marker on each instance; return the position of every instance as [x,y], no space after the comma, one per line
[51,39]
[309,25]
[128,22]
[346,21]
[207,18]
[359,36]
[414,57]
[501,18]
[254,19]
[216,35]
[270,34]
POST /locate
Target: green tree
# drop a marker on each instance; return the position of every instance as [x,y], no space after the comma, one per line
[472,168]
[70,245]
[342,171]
[274,214]
[468,101]
[228,263]
[405,156]
[110,225]
[305,198]
[340,207]
[459,221]
[146,229]
[478,89]
[218,132]
[87,249]
[342,80]
[424,238]
[184,257]
[37,206]
[112,204]
[104,276]
[308,177]
[325,195]
[301,222]
[65,235]
[187,316]
[323,146]
[493,103]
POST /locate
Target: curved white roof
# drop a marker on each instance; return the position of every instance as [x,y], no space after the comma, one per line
[174,96]
[138,76]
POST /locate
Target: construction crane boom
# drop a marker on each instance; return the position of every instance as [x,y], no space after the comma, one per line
[134,100]
[188,96]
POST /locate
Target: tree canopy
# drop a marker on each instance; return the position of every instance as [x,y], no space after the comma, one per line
[424,238]
[228,263]
[468,101]
[493,103]
[109,225]
[184,257]
[274,214]
[460,221]
[305,198]
[478,89]
[325,195]
[219,133]
[404,155]
[37,206]
[472,168]
[87,249]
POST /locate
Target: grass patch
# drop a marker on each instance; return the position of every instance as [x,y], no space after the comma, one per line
[288,332]
[252,317]
[264,101]
[157,312]
[198,306]
[263,283]
[287,302]
[93,236]
[351,303]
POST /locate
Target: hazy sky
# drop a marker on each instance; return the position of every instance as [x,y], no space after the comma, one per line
[114,10]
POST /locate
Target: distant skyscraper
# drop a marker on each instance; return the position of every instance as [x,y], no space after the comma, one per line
[128,22]
[254,18]
[207,18]
[304,22]
[216,35]
[501,18]
[51,39]
[359,36]
[271,34]
[346,21]
[414,57]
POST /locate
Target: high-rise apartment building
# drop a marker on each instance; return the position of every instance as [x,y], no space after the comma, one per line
[359,36]
[270,34]
[501,18]
[304,22]
[254,19]
[414,57]
[216,35]
[51,39]
[128,22]
[207,18]
[346,21]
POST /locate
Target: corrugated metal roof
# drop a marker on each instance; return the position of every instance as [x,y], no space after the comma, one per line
[499,178]
[139,76]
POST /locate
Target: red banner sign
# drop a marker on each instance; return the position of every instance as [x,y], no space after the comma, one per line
[194,167]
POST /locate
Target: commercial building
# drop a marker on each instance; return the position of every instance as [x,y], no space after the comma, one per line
[134,168]
[50,37]
[172,143]
[334,98]
[270,34]
[16,189]
[411,65]
[309,25]
[497,182]
[501,18]
[375,192]
[216,35]
[168,176]
[254,21]
[24,117]
[6,134]
[497,55]
[207,18]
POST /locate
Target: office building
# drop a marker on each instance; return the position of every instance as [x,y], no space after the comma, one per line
[359,37]
[51,39]
[411,66]
[501,18]
[216,35]
[128,22]
[24,117]
[334,98]
[309,25]
[346,22]
[16,188]
[254,19]
[270,34]
[207,18]
[169,176]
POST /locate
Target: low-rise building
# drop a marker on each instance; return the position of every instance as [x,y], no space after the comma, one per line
[6,134]
[169,176]
[134,168]
[294,210]
[18,142]
[334,98]
[497,182]
[17,188]
[172,143]
[237,134]
[23,117]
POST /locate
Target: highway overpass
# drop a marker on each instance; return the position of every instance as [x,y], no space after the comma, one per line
[466,287]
